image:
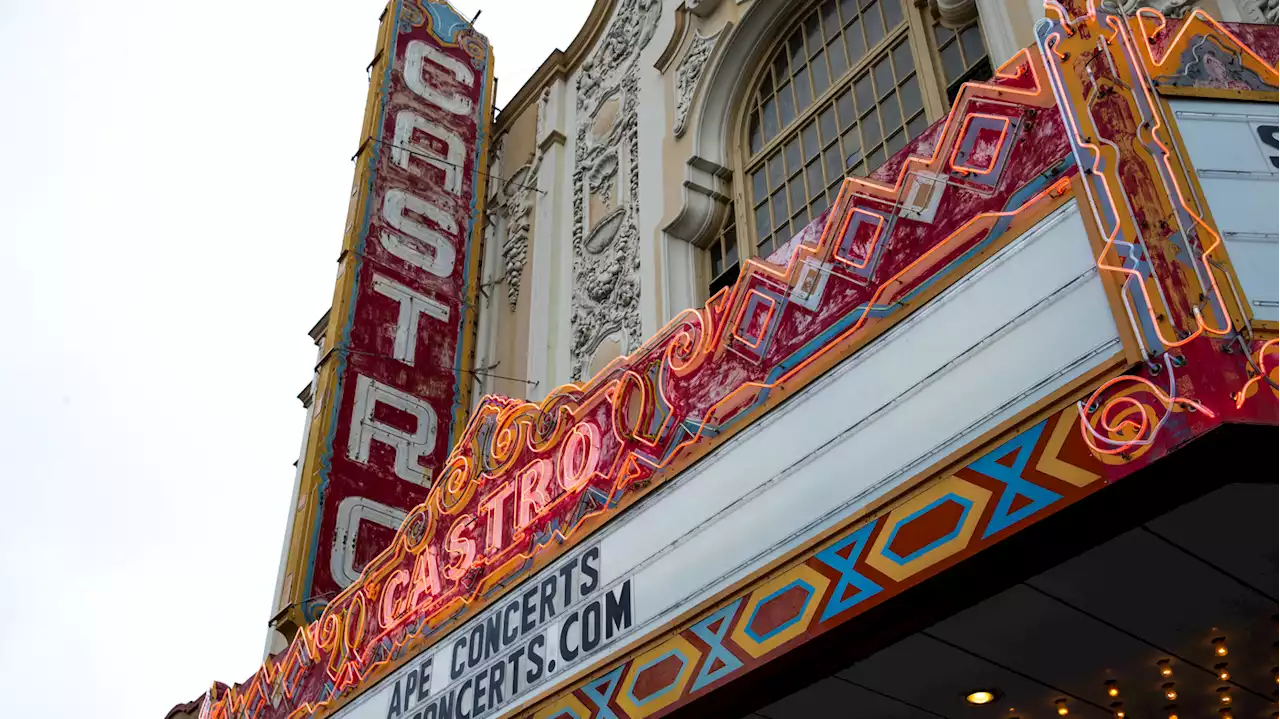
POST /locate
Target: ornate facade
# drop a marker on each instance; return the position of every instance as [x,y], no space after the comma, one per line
[634,143]
[822,341]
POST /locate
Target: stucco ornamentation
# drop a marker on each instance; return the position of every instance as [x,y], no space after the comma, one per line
[701,8]
[516,198]
[1267,10]
[688,74]
[1169,8]
[606,179]
[518,208]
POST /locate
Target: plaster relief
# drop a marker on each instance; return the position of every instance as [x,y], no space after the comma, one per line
[518,209]
[689,73]
[606,264]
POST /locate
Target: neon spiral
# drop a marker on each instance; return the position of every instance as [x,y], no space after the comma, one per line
[1125,435]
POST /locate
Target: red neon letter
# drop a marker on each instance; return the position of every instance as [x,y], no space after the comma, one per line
[391,609]
[495,505]
[461,545]
[426,577]
[534,494]
[579,456]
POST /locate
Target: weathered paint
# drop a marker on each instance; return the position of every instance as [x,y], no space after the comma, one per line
[1000,161]
[392,391]
[1201,374]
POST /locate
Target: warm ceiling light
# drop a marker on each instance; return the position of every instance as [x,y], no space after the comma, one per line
[1062,706]
[1112,689]
[1165,669]
[1169,692]
[1224,695]
[982,696]
[1220,646]
[1117,708]
[1171,712]
[1221,669]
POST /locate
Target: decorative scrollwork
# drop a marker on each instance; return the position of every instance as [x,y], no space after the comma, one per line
[1258,372]
[1124,425]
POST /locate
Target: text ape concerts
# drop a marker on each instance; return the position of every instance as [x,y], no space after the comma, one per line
[553,624]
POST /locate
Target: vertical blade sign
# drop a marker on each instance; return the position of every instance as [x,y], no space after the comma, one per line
[402,321]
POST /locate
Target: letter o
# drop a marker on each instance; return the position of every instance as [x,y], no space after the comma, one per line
[579,456]
[353,619]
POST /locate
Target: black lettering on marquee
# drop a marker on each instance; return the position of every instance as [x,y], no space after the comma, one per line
[475,646]
[536,645]
[462,703]
[590,571]
[424,680]
[510,623]
[458,666]
[1270,136]
[529,608]
[497,675]
[568,654]
[617,610]
[566,573]
[514,660]
[410,684]
[591,626]
[478,690]
[492,634]
[546,603]
[395,708]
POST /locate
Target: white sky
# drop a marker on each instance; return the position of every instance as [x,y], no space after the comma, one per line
[173,185]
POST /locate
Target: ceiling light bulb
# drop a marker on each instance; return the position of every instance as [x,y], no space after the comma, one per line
[1062,707]
[1171,712]
[1117,709]
[982,696]
[1221,669]
[1165,669]
[1220,646]
[1112,689]
[1169,692]
[1224,695]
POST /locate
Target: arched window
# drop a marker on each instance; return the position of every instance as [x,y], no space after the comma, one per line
[846,86]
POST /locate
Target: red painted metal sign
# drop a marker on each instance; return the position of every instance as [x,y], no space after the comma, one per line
[402,314]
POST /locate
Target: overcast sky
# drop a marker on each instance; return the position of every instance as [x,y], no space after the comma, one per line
[173,185]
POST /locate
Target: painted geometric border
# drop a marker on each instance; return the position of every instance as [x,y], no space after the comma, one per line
[1021,480]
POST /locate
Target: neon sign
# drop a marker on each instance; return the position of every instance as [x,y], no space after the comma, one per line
[526,481]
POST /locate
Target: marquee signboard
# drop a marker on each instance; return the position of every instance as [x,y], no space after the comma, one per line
[518,646]
[393,390]
[475,578]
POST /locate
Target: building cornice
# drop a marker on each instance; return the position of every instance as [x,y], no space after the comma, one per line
[557,65]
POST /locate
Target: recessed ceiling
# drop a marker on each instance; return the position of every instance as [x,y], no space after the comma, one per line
[1163,590]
